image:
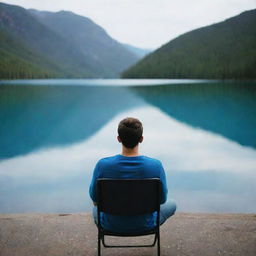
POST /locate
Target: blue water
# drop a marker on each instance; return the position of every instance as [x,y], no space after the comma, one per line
[53,132]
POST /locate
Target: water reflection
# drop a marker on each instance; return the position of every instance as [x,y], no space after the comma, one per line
[200,177]
[52,136]
[35,117]
[227,108]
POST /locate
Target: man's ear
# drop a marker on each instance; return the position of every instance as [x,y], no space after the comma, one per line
[141,139]
[119,139]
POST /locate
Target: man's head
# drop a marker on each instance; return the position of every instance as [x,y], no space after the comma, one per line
[130,132]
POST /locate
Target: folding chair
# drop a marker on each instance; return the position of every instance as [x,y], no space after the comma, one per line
[128,197]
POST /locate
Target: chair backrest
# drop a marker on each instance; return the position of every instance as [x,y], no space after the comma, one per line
[128,197]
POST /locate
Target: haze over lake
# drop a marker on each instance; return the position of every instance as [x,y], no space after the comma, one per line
[53,132]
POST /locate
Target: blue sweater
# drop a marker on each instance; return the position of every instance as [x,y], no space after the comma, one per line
[122,167]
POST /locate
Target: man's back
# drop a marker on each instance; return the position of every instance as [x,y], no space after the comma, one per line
[124,167]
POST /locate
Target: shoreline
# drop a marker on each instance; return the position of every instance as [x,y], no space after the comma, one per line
[88,212]
[66,234]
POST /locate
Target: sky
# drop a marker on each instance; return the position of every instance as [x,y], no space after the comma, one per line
[146,23]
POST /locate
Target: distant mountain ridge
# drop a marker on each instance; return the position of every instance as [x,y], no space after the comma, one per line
[41,44]
[138,51]
[225,50]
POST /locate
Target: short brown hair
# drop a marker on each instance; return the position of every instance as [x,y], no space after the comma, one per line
[130,131]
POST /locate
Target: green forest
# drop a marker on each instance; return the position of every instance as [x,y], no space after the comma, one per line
[40,44]
[18,61]
[225,50]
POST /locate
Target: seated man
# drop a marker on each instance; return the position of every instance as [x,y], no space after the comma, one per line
[131,165]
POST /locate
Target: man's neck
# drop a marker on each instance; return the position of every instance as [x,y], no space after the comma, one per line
[130,151]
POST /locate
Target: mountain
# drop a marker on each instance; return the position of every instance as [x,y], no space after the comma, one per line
[103,54]
[37,44]
[138,51]
[225,50]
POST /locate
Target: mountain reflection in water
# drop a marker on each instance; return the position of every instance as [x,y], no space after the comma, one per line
[52,135]
[228,109]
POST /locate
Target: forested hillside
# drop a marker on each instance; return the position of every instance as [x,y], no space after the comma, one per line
[37,44]
[18,61]
[226,50]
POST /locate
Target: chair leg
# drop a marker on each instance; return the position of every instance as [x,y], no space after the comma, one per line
[99,244]
[155,239]
[158,244]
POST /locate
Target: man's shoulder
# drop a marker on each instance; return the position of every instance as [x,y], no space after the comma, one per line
[146,160]
[152,161]
[155,160]
[108,159]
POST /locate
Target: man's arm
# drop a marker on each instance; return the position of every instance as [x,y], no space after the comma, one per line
[164,190]
[93,185]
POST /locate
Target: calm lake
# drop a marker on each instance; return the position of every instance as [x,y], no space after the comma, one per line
[52,132]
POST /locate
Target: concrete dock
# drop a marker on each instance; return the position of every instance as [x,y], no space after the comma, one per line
[76,234]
